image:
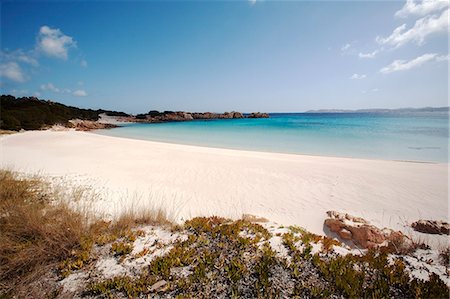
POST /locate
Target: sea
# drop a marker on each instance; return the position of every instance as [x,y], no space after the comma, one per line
[403,136]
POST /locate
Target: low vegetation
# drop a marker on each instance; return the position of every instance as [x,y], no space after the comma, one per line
[43,241]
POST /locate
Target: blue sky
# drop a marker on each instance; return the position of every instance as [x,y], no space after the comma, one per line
[220,56]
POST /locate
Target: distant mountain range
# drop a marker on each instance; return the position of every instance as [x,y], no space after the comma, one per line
[381,110]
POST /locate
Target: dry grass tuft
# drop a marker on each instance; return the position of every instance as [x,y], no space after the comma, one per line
[146,216]
[40,233]
[253,218]
[34,234]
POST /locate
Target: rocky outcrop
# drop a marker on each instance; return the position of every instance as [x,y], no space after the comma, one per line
[258,115]
[432,227]
[168,116]
[88,125]
[205,115]
[358,230]
[232,114]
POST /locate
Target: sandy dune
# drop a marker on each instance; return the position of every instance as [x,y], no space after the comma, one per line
[190,181]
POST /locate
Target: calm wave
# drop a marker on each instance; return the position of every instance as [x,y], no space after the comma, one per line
[403,136]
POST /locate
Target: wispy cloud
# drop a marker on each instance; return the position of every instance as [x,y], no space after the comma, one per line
[345,47]
[403,65]
[20,56]
[371,90]
[54,43]
[419,32]
[357,77]
[421,7]
[83,63]
[80,93]
[18,92]
[50,87]
[368,55]
[12,71]
[443,58]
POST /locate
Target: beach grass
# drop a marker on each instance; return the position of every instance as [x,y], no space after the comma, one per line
[40,232]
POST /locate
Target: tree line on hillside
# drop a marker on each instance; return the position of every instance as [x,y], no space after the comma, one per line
[31,113]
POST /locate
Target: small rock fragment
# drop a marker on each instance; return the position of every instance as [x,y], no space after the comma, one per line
[158,286]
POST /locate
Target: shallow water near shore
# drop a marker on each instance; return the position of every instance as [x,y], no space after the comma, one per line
[418,136]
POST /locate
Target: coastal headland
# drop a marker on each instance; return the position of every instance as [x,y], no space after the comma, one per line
[31,113]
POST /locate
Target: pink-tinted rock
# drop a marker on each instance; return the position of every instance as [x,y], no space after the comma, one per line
[334,225]
[345,234]
[365,234]
[359,230]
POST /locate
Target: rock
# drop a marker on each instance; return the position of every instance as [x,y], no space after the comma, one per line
[258,115]
[237,114]
[345,234]
[335,215]
[334,225]
[158,286]
[345,216]
[367,235]
[357,229]
[355,219]
[88,125]
[167,116]
[431,227]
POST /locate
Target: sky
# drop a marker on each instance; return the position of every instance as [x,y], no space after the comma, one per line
[271,56]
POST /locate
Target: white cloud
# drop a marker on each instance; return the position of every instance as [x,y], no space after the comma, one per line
[252,2]
[345,47]
[370,90]
[419,32]
[53,88]
[83,63]
[19,56]
[50,87]
[368,55]
[403,65]
[357,76]
[421,7]
[53,42]
[443,58]
[79,93]
[19,92]
[12,71]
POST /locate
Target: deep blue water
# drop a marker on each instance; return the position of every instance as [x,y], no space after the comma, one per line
[420,136]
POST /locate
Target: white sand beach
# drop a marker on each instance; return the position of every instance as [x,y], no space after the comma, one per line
[190,181]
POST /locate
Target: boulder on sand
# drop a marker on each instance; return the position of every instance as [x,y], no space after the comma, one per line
[358,230]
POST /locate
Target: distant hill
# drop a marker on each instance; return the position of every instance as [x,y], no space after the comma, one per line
[31,113]
[381,110]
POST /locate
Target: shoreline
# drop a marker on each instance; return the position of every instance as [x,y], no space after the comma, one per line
[189,180]
[94,131]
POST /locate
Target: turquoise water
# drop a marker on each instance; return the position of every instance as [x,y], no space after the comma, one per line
[420,136]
